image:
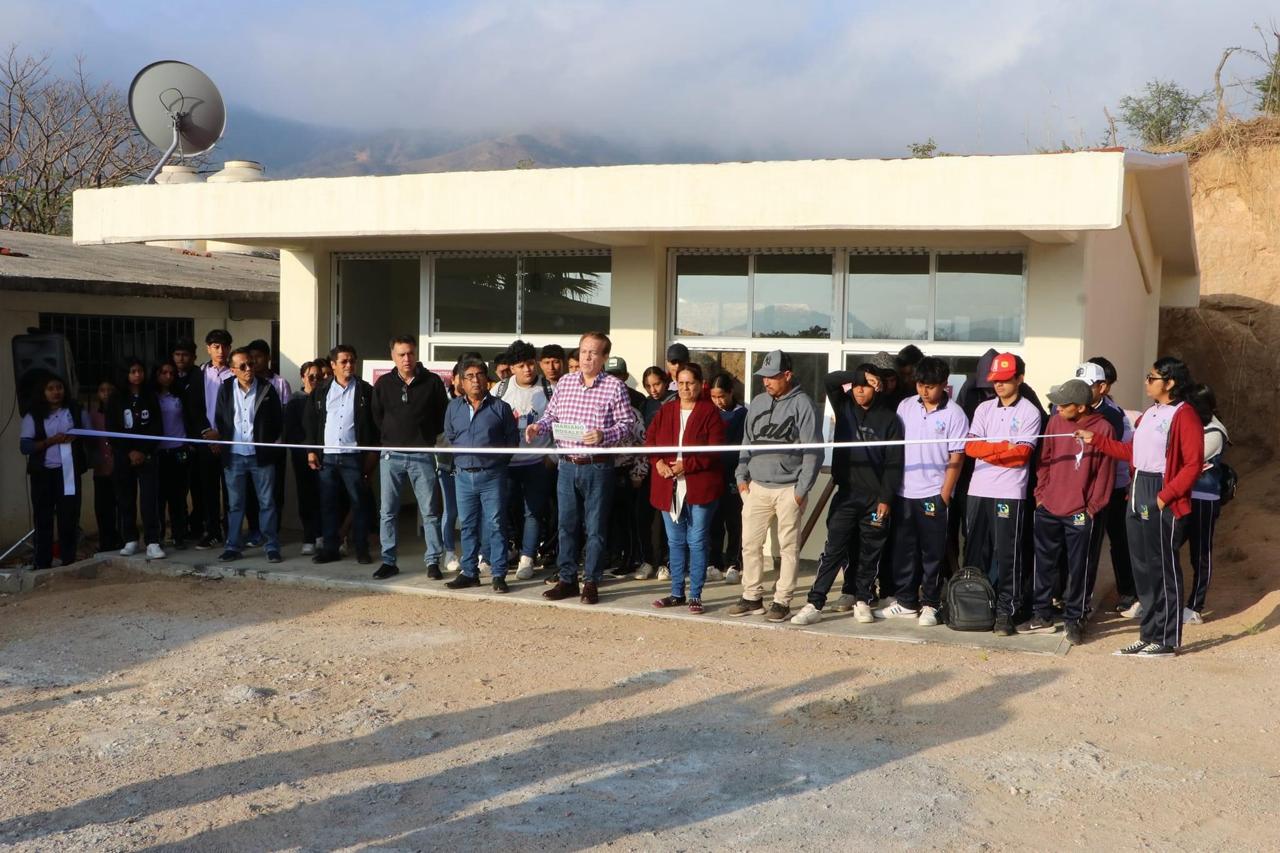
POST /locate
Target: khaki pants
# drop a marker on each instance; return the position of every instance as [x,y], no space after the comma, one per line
[759,506]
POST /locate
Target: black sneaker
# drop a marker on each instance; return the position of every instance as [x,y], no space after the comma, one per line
[433,572]
[386,570]
[1075,633]
[1123,603]
[1037,625]
[1156,650]
[745,607]
[274,557]
[621,572]
[500,585]
[1132,649]
[463,581]
[778,612]
[207,543]
[1004,627]
[228,555]
[326,557]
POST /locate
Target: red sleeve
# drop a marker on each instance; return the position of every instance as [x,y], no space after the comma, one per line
[1190,451]
[712,434]
[1122,450]
[984,449]
[1012,457]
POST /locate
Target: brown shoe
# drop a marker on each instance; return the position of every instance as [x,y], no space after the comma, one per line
[561,591]
[590,595]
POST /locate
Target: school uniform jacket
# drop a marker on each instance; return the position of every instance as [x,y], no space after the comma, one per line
[703,477]
[1065,486]
[268,420]
[317,412]
[1183,457]
[144,417]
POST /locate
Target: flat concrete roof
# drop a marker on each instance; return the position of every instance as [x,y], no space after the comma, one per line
[57,264]
[1045,196]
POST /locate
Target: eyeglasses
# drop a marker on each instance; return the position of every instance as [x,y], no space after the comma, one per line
[1151,378]
[242,367]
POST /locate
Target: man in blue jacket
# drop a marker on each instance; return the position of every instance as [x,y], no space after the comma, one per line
[248,410]
[478,419]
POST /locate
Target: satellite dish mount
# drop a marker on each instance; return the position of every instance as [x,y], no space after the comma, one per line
[174,104]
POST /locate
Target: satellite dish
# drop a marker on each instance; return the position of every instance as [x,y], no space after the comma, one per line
[177,108]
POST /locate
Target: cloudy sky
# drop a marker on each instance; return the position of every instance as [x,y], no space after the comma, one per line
[787,79]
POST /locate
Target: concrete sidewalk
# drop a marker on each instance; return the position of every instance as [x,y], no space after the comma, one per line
[622,596]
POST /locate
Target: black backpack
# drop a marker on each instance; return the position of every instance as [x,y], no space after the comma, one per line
[969,602]
[1226,482]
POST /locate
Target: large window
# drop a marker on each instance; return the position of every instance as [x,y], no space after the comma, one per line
[887,297]
[548,295]
[979,298]
[792,297]
[475,295]
[99,344]
[377,300]
[711,295]
[566,295]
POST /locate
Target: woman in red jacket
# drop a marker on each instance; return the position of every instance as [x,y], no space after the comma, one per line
[1167,453]
[686,486]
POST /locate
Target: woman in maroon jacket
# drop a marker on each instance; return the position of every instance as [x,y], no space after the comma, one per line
[686,486]
[1167,453]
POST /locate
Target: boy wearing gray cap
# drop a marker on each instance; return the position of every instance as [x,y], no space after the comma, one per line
[1073,486]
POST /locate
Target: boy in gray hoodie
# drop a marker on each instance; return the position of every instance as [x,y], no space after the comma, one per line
[775,483]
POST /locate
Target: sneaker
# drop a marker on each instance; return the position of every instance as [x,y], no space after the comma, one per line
[452,566]
[386,570]
[928,617]
[323,556]
[1075,633]
[1004,627]
[1134,611]
[896,611]
[844,603]
[129,549]
[1123,603]
[500,585]
[1156,650]
[644,572]
[714,574]
[862,613]
[1191,617]
[207,543]
[228,555]
[1131,649]
[664,574]
[274,557]
[254,540]
[483,567]
[155,552]
[463,582]
[745,607]
[808,615]
[1038,625]
[524,570]
[620,572]
[308,549]
[732,575]
[434,573]
[777,612]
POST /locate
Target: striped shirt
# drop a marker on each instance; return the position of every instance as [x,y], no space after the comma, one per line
[601,406]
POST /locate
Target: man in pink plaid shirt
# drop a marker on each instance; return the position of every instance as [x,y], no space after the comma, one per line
[589,409]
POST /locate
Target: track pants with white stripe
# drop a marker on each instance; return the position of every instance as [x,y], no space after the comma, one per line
[1057,536]
[919,550]
[1200,525]
[1155,536]
[994,531]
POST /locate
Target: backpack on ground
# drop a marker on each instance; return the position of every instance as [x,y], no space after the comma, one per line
[969,601]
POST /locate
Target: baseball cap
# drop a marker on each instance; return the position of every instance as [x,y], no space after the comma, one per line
[616,364]
[1073,392]
[883,362]
[1004,367]
[1090,373]
[775,362]
[678,352]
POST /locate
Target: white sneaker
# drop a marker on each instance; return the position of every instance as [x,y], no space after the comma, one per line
[732,575]
[714,574]
[896,611]
[1191,617]
[664,574]
[928,617]
[643,572]
[483,567]
[319,543]
[308,549]
[1134,612]
[808,615]
[524,570]
[129,549]
[862,613]
[452,565]
[155,552]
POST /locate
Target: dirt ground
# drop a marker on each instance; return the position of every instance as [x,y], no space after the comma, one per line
[194,714]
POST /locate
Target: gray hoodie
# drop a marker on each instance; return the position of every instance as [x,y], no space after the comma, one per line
[790,419]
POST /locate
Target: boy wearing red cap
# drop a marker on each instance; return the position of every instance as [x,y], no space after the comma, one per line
[994,507]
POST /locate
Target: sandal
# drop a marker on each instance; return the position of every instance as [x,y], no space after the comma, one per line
[669,601]
[695,605]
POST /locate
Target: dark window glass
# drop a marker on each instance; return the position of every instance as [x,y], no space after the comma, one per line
[475,295]
[378,300]
[566,296]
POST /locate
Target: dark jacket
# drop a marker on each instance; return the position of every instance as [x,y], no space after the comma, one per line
[268,421]
[871,471]
[143,419]
[294,411]
[493,425]
[735,425]
[193,405]
[703,475]
[416,423]
[313,420]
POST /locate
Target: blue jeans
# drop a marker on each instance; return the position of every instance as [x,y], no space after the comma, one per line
[449,509]
[419,471]
[240,473]
[481,501]
[687,539]
[343,471]
[534,482]
[584,493]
